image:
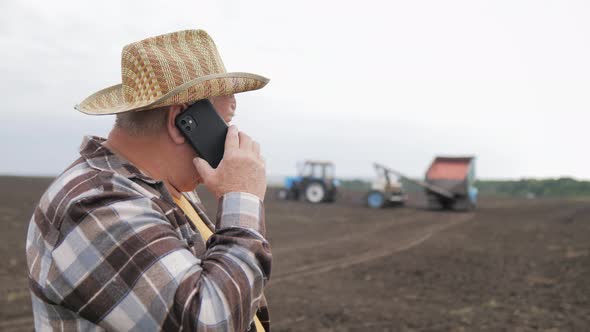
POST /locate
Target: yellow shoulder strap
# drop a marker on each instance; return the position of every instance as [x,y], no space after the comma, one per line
[193,216]
[206,233]
[258,324]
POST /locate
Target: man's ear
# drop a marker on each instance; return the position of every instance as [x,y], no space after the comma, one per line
[173,132]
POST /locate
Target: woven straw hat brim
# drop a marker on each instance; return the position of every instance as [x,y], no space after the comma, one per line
[111,101]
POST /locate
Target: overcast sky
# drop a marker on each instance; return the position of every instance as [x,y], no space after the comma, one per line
[353,82]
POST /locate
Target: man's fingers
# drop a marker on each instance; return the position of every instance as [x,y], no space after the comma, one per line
[256,148]
[232,142]
[245,142]
[204,169]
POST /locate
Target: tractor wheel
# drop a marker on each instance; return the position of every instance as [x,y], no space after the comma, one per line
[463,204]
[433,203]
[375,199]
[283,194]
[315,192]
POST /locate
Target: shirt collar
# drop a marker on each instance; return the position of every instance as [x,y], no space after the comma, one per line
[101,158]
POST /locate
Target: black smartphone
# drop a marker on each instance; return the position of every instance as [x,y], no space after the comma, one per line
[205,130]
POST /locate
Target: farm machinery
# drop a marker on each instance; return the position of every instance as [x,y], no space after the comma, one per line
[448,183]
[315,183]
[386,189]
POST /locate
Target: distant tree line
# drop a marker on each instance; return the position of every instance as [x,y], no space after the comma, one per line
[561,187]
[355,184]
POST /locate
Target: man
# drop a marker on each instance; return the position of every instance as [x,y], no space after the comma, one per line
[119,242]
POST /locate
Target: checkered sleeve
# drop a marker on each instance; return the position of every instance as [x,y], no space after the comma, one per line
[121,265]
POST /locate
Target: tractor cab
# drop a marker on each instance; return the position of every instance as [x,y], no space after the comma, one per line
[317,170]
[315,183]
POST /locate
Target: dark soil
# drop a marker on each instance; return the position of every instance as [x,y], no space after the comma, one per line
[512,265]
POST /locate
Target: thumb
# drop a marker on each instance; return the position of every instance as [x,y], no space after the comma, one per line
[205,170]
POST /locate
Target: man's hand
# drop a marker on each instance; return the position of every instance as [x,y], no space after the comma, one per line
[242,168]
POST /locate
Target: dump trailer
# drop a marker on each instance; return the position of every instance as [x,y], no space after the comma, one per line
[448,183]
[456,175]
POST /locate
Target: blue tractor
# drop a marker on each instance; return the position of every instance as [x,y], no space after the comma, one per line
[315,183]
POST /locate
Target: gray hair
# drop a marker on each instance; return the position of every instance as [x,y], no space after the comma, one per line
[143,122]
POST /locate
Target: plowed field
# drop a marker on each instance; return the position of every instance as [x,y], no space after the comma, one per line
[511,265]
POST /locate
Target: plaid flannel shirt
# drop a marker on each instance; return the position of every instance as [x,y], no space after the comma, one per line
[107,249]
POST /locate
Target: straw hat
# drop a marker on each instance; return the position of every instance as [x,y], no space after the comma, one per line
[175,68]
